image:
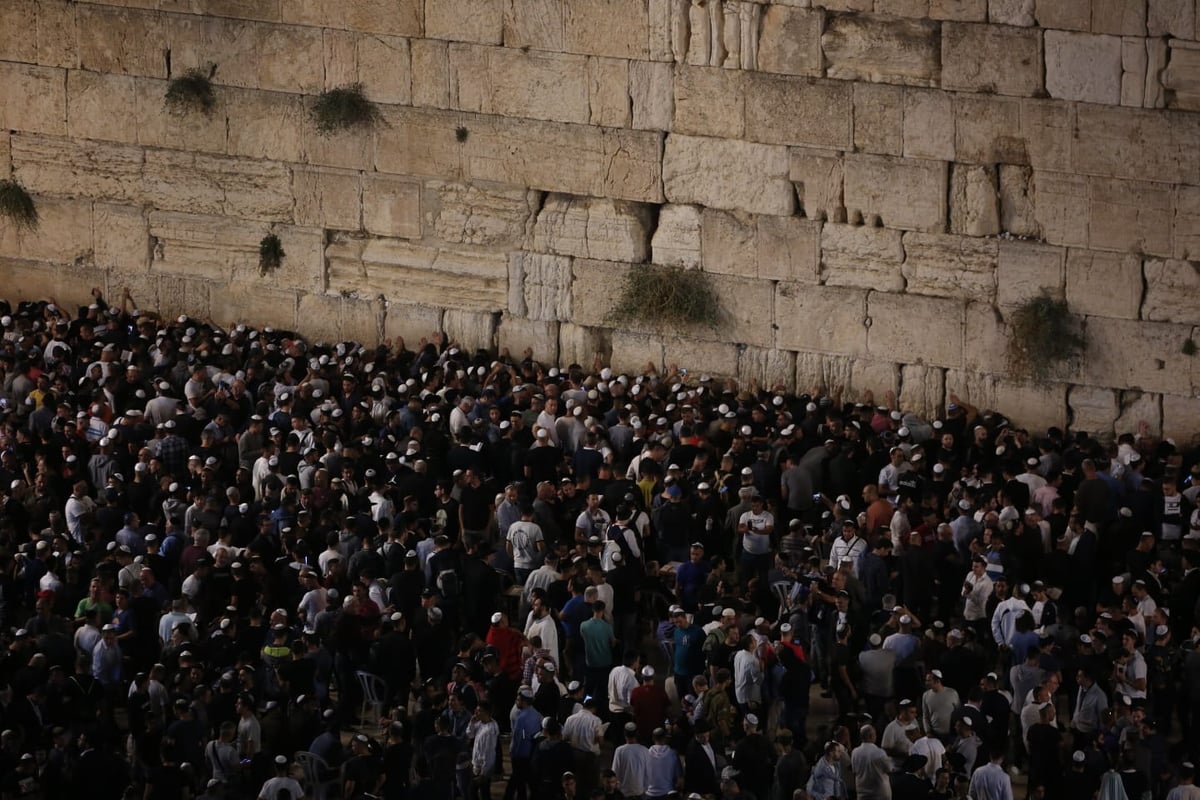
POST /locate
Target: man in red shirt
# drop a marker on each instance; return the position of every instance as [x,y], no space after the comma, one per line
[507,641]
[650,705]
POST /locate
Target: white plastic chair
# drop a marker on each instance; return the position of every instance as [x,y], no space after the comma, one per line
[314,768]
[783,591]
[374,692]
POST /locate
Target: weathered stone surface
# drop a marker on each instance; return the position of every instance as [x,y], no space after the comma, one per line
[819,180]
[539,286]
[1033,407]
[1071,15]
[418,274]
[5,155]
[826,319]
[1093,410]
[1139,145]
[651,95]
[410,322]
[1011,12]
[950,266]
[717,359]
[617,28]
[974,209]
[479,214]
[790,40]
[1171,18]
[327,198]
[205,184]
[959,10]
[208,247]
[915,329]
[1138,409]
[985,339]
[987,130]
[1025,270]
[747,310]
[362,320]
[928,124]
[867,258]
[1186,222]
[1060,207]
[91,97]
[534,23]
[799,111]
[729,242]
[340,49]
[903,8]
[264,124]
[595,290]
[121,239]
[1083,66]
[1119,17]
[63,235]
[632,352]
[499,80]
[709,101]
[177,295]
[593,228]
[517,334]
[430,73]
[789,249]
[1047,131]
[94,170]
[853,375]
[158,126]
[17,20]
[1130,216]
[908,194]
[385,68]
[1172,291]
[33,99]
[922,390]
[1104,284]
[341,318]
[879,119]
[771,368]
[727,174]
[608,92]
[399,17]
[991,58]
[1017,213]
[1179,414]
[882,50]
[1129,354]
[581,345]
[479,21]
[391,206]
[1181,78]
[127,42]
[676,240]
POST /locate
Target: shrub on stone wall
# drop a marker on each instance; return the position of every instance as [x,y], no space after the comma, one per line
[667,297]
[343,108]
[17,205]
[1044,337]
[270,254]
[192,91]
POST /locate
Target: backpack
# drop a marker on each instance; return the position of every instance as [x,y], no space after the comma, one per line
[448,583]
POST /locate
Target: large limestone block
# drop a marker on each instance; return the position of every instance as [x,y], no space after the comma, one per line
[327,317]
[1187,222]
[1093,410]
[1171,18]
[1011,12]
[1139,145]
[1025,270]
[951,266]
[191,296]
[922,390]
[727,174]
[479,214]
[265,125]
[122,41]
[201,246]
[1071,15]
[479,21]
[410,322]
[328,198]
[595,289]
[1172,291]
[18,31]
[33,99]
[824,319]
[1083,66]
[1181,78]
[882,50]
[385,68]
[499,80]
[790,40]
[710,101]
[470,329]
[799,111]
[651,95]
[616,28]
[908,194]
[819,180]
[1130,216]
[611,230]
[853,375]
[1060,206]
[1139,409]
[1047,132]
[879,119]
[581,345]
[633,352]
[398,17]
[608,92]
[991,58]
[430,73]
[928,124]
[676,240]
[862,257]
[987,130]
[1104,284]
[974,209]
[1179,415]
[985,339]
[420,274]
[789,249]
[903,8]
[915,329]
[1132,354]
[5,155]
[770,367]
[1119,17]
[747,310]
[729,242]
[91,98]
[716,359]
[518,334]
[534,23]
[121,240]
[1017,209]
[959,10]
[63,235]
[1031,407]
[206,184]
[62,167]
[159,127]
[391,206]
[539,286]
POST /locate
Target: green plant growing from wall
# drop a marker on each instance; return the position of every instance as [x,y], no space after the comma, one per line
[344,108]
[270,254]
[17,205]
[192,91]
[1043,337]
[1189,347]
[461,134]
[667,297]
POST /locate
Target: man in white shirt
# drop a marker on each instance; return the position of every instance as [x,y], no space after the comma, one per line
[583,730]
[629,763]
[872,768]
[282,781]
[525,543]
[848,545]
[592,521]
[621,683]
[79,508]
[977,587]
[484,734]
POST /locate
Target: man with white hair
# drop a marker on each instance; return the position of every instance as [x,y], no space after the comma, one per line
[871,766]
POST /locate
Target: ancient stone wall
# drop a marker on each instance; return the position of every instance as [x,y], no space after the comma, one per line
[873,185]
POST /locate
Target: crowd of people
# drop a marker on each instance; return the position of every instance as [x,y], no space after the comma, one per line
[236,564]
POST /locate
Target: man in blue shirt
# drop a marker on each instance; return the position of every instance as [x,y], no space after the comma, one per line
[526,725]
[691,576]
[689,652]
